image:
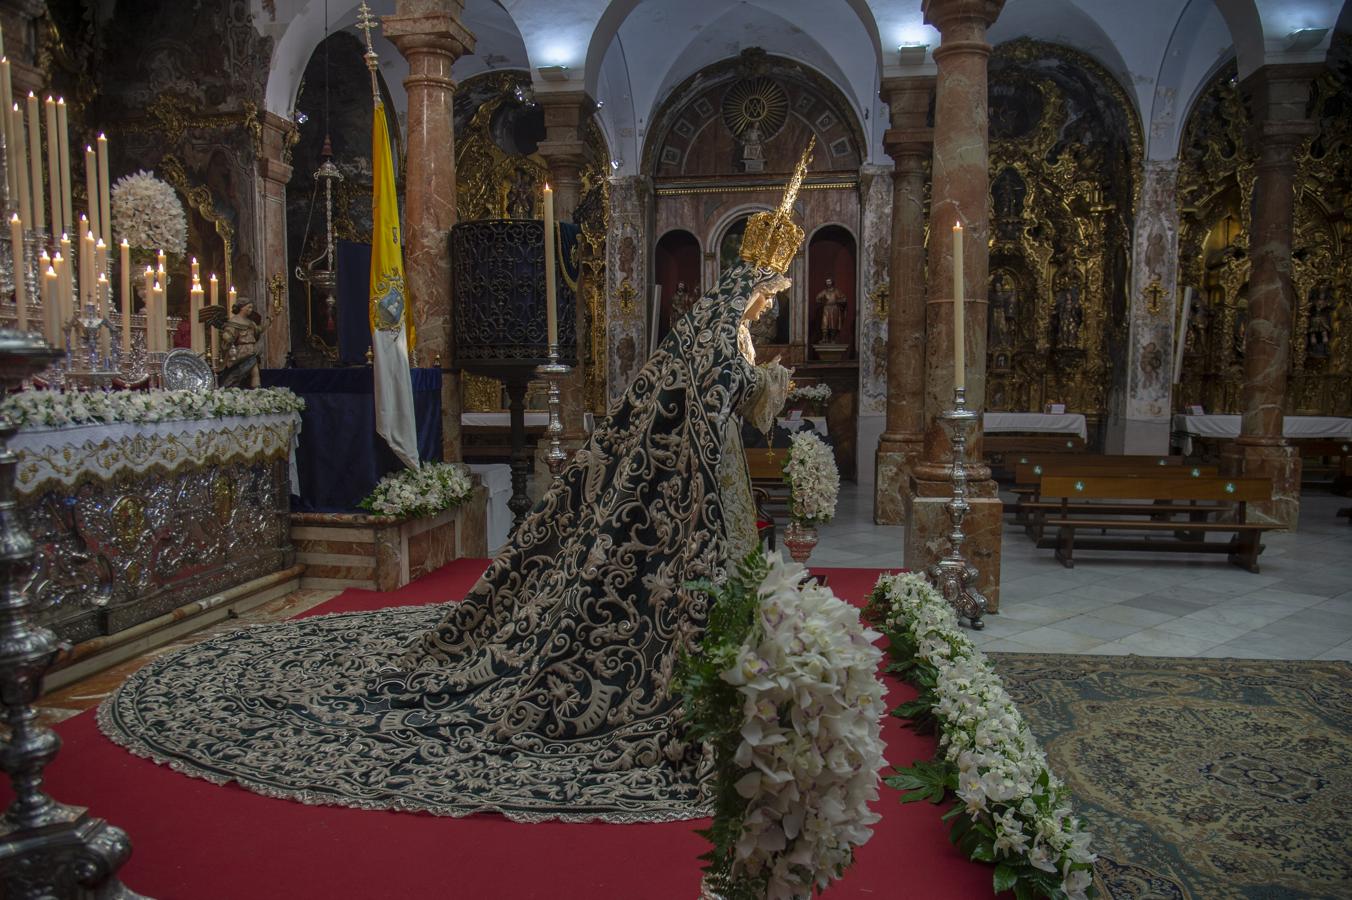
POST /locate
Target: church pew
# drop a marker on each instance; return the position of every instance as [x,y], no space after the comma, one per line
[1028,477]
[1236,493]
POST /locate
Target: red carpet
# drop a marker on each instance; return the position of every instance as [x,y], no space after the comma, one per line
[198,841]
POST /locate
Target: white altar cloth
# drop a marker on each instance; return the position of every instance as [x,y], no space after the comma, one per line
[1040,423]
[497,477]
[1226,427]
[63,456]
[534,419]
[795,425]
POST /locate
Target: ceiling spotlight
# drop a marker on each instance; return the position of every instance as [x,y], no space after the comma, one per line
[1305,38]
[600,104]
[553,73]
[616,163]
[301,118]
[913,54]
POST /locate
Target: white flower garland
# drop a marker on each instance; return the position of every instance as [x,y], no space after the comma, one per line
[57,409]
[424,491]
[148,215]
[813,479]
[812,738]
[819,393]
[1018,808]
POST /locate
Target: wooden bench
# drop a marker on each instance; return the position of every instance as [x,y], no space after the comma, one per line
[1115,490]
[766,467]
[1028,478]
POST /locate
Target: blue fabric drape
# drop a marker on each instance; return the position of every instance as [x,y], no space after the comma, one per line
[340,456]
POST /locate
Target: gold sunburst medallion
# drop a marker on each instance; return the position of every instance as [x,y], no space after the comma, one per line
[755,101]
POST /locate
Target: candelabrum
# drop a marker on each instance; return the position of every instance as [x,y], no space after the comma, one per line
[554,372]
[952,575]
[47,849]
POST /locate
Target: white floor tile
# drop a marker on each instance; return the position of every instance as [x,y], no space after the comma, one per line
[1051,639]
[1156,642]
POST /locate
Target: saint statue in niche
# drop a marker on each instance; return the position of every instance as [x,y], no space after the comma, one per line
[1003,297]
[753,156]
[1239,337]
[1069,315]
[1194,340]
[833,303]
[682,300]
[1319,325]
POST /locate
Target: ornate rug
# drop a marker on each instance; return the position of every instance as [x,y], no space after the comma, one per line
[1200,778]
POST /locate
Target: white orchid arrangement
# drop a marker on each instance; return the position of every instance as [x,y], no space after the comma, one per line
[1014,812]
[424,491]
[148,215]
[813,479]
[817,393]
[784,689]
[58,409]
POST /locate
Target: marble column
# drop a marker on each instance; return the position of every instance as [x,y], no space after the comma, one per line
[910,143]
[563,149]
[431,36]
[1140,398]
[1278,100]
[959,192]
[274,172]
[875,258]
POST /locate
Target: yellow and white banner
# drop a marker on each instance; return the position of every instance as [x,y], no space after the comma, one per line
[392,332]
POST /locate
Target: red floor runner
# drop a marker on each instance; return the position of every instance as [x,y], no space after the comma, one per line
[199,841]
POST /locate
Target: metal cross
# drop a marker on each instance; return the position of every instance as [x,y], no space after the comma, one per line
[1154,292]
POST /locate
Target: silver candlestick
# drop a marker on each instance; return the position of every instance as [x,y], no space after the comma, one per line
[554,372]
[952,575]
[47,849]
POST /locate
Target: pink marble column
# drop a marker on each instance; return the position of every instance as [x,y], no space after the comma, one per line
[959,192]
[1278,100]
[431,37]
[565,112]
[274,170]
[910,143]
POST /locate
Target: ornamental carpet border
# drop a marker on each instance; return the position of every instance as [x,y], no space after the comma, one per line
[1200,778]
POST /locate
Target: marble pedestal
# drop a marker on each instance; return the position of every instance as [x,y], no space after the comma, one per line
[893,464]
[928,524]
[380,553]
[1281,463]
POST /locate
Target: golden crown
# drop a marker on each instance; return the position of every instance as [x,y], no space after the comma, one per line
[771,238]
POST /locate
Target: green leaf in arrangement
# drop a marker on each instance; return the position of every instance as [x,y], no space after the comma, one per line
[922,781]
[1005,878]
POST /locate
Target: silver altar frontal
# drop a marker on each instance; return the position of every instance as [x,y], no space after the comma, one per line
[132,521]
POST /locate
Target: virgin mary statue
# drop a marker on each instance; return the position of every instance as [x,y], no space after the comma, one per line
[546,692]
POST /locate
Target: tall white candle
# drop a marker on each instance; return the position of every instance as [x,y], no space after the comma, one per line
[92,188]
[6,95]
[215,301]
[63,160]
[194,306]
[20,153]
[53,169]
[16,247]
[51,307]
[551,313]
[39,221]
[105,192]
[59,266]
[959,336]
[124,268]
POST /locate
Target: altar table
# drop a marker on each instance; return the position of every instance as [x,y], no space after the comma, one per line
[497,478]
[1035,423]
[1226,427]
[132,521]
[340,457]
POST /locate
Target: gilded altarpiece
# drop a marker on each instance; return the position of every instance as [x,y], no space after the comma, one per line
[501,175]
[1065,153]
[1216,181]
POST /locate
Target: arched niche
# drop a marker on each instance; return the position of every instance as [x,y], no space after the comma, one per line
[676,276]
[832,253]
[1215,189]
[335,104]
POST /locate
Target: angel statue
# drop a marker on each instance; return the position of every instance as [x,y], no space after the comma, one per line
[546,693]
[240,332]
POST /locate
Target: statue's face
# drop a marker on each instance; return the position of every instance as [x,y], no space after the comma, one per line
[763,296]
[246,310]
[830,282]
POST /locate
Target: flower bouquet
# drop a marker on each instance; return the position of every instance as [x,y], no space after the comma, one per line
[784,691]
[148,215]
[814,484]
[811,398]
[421,492]
[1014,812]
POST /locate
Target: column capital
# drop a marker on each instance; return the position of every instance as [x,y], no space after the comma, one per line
[279,136]
[961,20]
[1278,101]
[910,140]
[437,30]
